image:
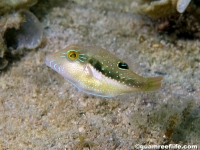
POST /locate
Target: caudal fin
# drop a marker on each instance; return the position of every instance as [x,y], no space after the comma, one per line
[153,83]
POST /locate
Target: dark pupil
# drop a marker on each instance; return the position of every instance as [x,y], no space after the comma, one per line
[122,65]
[73,55]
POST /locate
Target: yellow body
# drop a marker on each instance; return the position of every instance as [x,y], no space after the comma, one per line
[96,71]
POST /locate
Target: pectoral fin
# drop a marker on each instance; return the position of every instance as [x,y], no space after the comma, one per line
[92,72]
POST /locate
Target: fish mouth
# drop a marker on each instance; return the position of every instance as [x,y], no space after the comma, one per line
[52,63]
[48,59]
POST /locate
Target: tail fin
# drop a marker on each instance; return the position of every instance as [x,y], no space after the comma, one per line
[153,83]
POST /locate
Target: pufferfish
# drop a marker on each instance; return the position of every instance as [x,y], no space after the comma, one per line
[96,71]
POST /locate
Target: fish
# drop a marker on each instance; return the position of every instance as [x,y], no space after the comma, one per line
[95,70]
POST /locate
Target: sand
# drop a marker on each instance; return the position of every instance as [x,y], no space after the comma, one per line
[40,110]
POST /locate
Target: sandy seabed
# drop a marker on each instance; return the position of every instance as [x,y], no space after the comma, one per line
[39,109]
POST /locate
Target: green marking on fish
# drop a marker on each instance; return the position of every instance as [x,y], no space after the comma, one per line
[96,71]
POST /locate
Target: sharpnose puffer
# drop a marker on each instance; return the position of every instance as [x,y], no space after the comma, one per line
[96,71]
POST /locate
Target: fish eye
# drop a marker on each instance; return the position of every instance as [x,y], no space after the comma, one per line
[122,65]
[72,54]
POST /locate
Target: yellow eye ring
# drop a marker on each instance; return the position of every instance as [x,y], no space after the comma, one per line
[72,55]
